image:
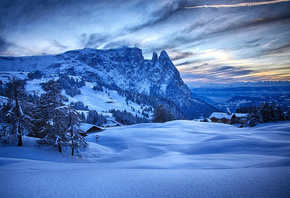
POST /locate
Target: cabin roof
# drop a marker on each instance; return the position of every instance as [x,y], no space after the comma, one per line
[241,115]
[220,115]
[85,126]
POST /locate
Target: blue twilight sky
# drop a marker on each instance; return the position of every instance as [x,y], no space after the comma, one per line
[209,41]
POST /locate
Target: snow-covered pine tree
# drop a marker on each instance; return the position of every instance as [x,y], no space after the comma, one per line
[94,118]
[18,118]
[255,117]
[162,114]
[75,137]
[44,111]
[51,119]
[265,112]
[277,113]
[83,117]
[57,136]
[65,129]
[280,113]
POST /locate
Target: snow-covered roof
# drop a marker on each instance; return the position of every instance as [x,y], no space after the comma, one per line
[85,126]
[112,122]
[220,115]
[241,115]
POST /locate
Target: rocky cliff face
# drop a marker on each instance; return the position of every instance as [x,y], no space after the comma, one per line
[124,67]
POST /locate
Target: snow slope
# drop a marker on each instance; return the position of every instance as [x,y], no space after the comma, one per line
[100,101]
[188,144]
[174,159]
[146,183]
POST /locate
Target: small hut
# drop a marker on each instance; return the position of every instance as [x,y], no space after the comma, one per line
[227,118]
[89,128]
[221,117]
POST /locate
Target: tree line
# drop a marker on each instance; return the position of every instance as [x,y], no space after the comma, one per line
[263,113]
[45,117]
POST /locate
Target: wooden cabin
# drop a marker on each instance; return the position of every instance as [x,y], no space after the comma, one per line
[221,117]
[227,118]
[89,128]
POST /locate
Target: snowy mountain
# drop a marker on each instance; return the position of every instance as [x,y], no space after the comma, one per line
[250,84]
[245,101]
[221,92]
[123,69]
[243,94]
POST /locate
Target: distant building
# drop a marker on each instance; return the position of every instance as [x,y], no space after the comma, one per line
[221,117]
[112,123]
[241,118]
[227,118]
[89,128]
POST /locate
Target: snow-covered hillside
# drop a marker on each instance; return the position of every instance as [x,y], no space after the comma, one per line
[174,159]
[124,68]
[188,144]
[101,101]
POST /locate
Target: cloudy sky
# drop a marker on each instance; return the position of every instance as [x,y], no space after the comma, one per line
[209,41]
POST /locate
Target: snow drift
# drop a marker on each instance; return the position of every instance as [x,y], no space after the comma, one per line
[174,159]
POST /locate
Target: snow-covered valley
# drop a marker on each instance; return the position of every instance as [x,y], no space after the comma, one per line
[174,159]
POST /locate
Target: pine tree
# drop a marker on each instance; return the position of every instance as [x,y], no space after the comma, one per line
[83,117]
[76,139]
[250,109]
[265,112]
[94,118]
[57,125]
[57,134]
[50,118]
[65,130]
[280,113]
[255,117]
[45,111]
[162,114]
[18,119]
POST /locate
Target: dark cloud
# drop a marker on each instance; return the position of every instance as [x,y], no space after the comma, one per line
[231,71]
[59,45]
[4,45]
[224,68]
[217,72]
[120,43]
[225,27]
[19,12]
[198,25]
[93,40]
[214,74]
[248,24]
[181,55]
[159,46]
[246,46]
[187,63]
[277,50]
[161,15]
[252,41]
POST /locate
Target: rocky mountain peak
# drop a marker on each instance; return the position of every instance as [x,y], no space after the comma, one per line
[154,58]
[164,55]
[124,67]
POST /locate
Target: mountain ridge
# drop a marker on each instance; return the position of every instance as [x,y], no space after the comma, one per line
[123,67]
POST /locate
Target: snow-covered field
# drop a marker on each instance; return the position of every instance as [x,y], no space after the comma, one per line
[174,159]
